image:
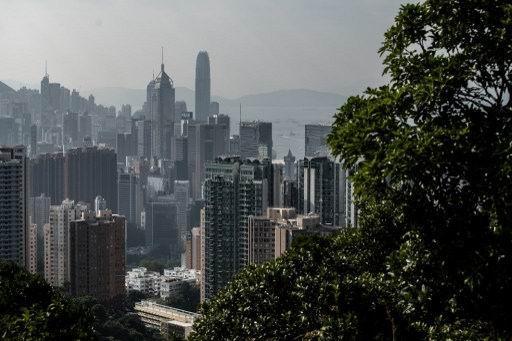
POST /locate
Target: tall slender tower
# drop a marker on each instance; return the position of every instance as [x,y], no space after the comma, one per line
[162,114]
[202,86]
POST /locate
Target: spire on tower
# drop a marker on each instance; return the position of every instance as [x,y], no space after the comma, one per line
[162,58]
[46,68]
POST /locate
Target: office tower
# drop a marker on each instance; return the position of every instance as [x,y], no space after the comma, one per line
[289,166]
[315,137]
[252,136]
[8,131]
[33,141]
[84,128]
[182,198]
[214,108]
[65,96]
[205,142]
[160,223]
[129,194]
[97,256]
[162,98]
[290,193]
[322,189]
[75,101]
[13,206]
[180,107]
[180,158]
[234,145]
[89,172]
[56,241]
[260,240]
[143,128]
[39,213]
[220,119]
[47,176]
[126,111]
[202,94]
[234,190]
[277,184]
[70,128]
[100,204]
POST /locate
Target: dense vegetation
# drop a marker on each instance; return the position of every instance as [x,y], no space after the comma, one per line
[32,310]
[188,298]
[431,155]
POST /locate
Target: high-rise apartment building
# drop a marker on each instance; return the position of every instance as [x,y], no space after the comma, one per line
[39,213]
[234,190]
[315,138]
[89,172]
[47,176]
[56,241]
[14,220]
[97,255]
[182,198]
[202,93]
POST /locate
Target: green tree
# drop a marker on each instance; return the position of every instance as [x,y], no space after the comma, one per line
[188,298]
[32,310]
[430,155]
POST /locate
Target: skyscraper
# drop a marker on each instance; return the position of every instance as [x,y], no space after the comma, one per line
[162,106]
[315,140]
[47,176]
[234,190]
[254,135]
[202,87]
[89,172]
[322,189]
[39,212]
[56,241]
[13,205]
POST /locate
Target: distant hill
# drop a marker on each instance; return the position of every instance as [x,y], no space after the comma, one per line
[280,98]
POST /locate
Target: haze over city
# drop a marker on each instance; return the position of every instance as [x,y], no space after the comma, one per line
[254,46]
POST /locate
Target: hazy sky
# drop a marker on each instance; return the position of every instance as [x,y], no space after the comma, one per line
[254,45]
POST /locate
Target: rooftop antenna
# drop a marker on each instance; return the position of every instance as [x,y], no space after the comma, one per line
[46,68]
[240,115]
[162,58]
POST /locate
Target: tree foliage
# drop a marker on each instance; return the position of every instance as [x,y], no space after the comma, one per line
[431,161]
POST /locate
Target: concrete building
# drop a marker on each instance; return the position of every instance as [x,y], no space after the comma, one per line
[39,213]
[161,223]
[32,244]
[202,93]
[161,99]
[97,256]
[89,172]
[171,322]
[56,241]
[14,219]
[130,197]
[315,140]
[321,189]
[182,198]
[47,176]
[254,135]
[234,190]
[140,279]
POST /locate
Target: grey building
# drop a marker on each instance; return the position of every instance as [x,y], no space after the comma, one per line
[47,176]
[13,206]
[161,113]
[234,190]
[321,189]
[202,105]
[129,197]
[255,136]
[315,140]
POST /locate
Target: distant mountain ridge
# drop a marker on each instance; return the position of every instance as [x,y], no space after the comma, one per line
[279,98]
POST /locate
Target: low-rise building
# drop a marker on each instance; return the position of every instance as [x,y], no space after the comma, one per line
[164,285]
[172,322]
[140,279]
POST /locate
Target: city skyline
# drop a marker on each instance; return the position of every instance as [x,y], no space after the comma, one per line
[343,61]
